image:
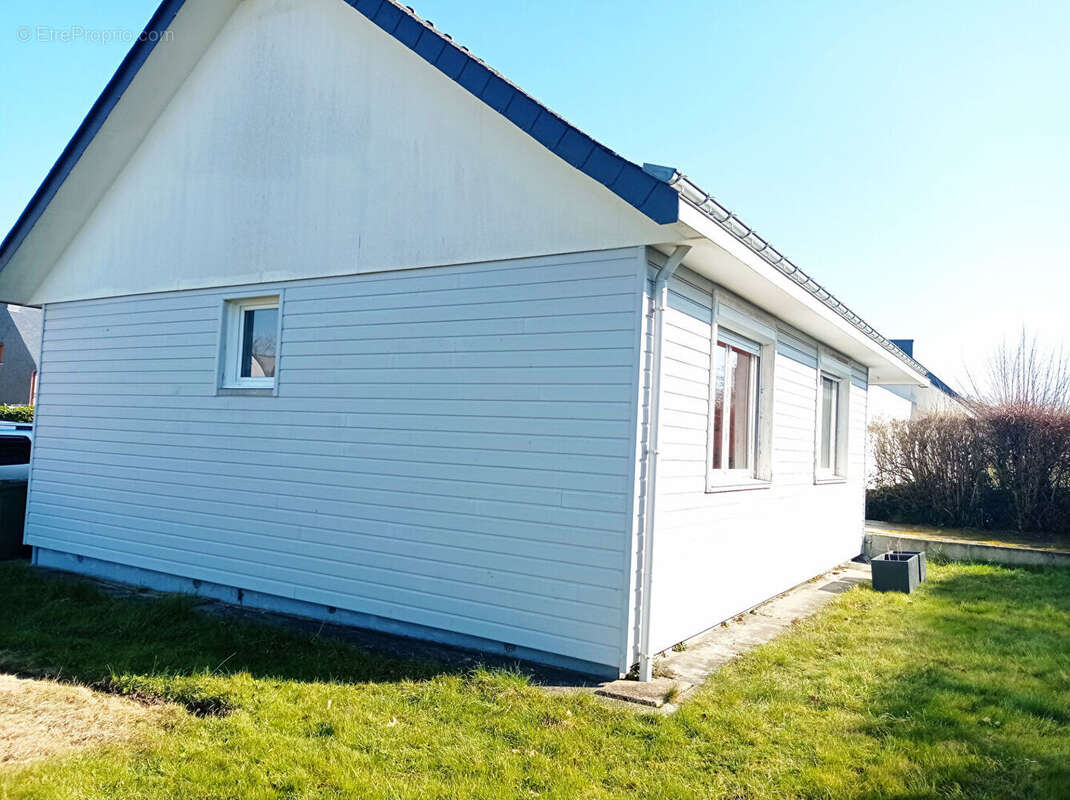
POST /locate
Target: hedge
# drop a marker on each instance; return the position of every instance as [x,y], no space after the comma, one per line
[1008,466]
[16,413]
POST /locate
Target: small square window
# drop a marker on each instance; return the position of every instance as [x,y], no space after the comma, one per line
[250,343]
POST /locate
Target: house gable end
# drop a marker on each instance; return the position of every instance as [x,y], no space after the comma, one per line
[308,142]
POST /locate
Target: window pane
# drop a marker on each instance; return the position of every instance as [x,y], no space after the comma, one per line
[259,329]
[742,409]
[718,406]
[828,423]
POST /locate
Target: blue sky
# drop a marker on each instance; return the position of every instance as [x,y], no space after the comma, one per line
[914,157]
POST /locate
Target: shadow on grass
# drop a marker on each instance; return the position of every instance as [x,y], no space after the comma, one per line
[154,647]
[991,682]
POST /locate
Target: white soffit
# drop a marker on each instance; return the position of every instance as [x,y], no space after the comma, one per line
[723,259]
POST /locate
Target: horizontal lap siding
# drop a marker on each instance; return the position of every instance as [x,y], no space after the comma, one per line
[450,447]
[717,554]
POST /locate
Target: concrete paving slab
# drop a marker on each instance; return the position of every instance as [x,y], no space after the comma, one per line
[704,654]
[656,693]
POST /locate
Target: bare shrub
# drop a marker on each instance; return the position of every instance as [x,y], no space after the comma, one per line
[936,469]
[1027,374]
[1006,467]
[1029,450]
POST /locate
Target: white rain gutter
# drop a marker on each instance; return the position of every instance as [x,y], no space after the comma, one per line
[661,302]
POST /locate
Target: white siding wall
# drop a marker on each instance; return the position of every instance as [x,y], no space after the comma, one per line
[451,447]
[716,554]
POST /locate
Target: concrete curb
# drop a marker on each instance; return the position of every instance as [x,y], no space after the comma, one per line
[879,540]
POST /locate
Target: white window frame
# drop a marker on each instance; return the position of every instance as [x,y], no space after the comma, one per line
[230,347]
[831,367]
[749,326]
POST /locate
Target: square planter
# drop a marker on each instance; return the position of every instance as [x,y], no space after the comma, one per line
[897,571]
[921,561]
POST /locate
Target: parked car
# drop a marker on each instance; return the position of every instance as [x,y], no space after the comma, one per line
[16,441]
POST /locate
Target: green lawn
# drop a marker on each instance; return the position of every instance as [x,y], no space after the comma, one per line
[961,690]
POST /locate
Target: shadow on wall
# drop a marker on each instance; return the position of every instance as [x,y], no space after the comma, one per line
[20,336]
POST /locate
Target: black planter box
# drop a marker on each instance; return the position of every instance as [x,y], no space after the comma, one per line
[921,561]
[898,571]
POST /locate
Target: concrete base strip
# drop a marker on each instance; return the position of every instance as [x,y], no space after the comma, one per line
[678,672]
[880,540]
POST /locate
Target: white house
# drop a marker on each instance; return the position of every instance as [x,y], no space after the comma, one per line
[340,322]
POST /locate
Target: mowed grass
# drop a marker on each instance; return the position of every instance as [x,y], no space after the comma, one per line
[960,690]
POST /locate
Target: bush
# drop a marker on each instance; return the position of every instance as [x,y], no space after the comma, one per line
[1029,452]
[1006,467]
[932,470]
[16,413]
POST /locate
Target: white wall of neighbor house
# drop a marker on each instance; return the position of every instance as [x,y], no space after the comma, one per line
[314,143]
[450,447]
[717,553]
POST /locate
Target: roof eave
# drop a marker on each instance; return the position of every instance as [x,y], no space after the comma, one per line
[797,303]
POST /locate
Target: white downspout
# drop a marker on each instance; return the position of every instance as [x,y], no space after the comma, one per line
[661,297]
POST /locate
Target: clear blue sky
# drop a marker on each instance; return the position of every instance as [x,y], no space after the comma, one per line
[913,156]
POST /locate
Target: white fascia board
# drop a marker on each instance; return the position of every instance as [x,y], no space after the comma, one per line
[723,259]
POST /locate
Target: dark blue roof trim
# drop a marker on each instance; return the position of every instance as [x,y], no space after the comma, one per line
[92,123]
[651,195]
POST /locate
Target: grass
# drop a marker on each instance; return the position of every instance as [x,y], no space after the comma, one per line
[40,719]
[960,690]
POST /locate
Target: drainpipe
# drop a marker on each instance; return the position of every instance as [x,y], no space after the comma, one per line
[661,298]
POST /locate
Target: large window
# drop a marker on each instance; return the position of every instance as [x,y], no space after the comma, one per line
[250,344]
[734,445]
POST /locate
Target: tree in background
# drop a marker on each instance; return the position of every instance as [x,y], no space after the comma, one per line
[1006,466]
[1023,399]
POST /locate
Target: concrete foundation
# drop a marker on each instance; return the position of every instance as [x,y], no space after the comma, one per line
[243,598]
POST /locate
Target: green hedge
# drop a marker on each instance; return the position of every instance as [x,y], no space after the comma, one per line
[1006,467]
[16,413]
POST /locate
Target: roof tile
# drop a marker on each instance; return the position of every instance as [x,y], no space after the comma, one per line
[452,60]
[430,45]
[603,165]
[388,17]
[663,204]
[548,129]
[633,185]
[522,110]
[408,31]
[497,93]
[474,77]
[574,147]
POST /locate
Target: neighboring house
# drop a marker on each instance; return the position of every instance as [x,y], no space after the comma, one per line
[912,402]
[340,322]
[20,346]
[900,403]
